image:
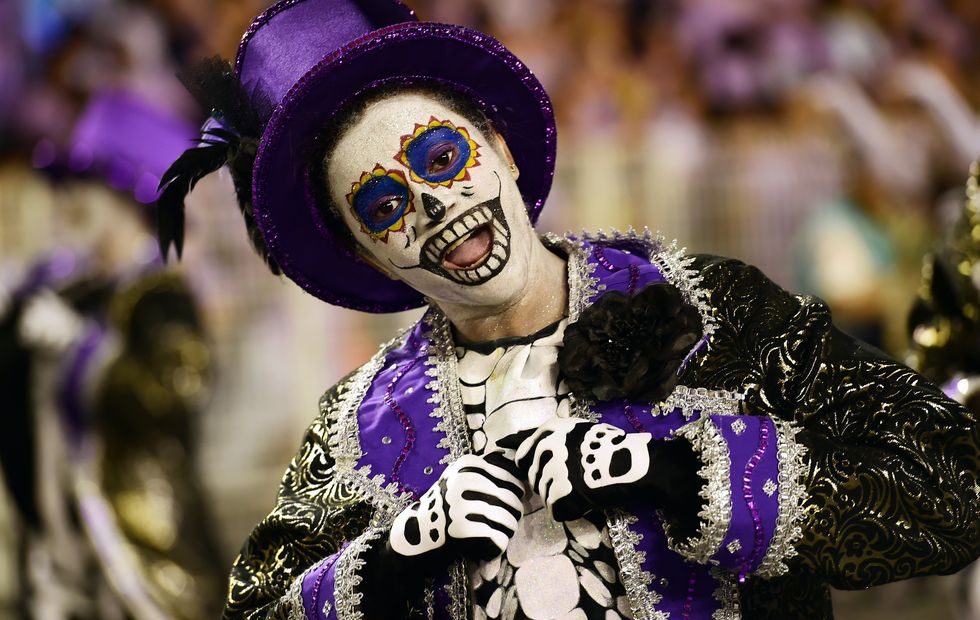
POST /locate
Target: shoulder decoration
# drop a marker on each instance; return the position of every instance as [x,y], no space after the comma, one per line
[630,346]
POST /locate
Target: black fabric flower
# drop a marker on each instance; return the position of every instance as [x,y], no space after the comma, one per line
[630,347]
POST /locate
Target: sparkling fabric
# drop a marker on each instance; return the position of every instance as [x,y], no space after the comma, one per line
[890,472]
[550,569]
[893,463]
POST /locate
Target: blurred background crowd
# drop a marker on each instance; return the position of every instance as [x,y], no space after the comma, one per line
[825,141]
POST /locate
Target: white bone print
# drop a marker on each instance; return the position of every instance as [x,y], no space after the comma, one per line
[612,456]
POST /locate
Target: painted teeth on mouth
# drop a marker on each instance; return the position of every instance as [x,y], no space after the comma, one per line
[450,238]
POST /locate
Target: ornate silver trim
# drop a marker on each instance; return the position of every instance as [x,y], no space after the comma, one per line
[385,498]
[582,283]
[446,397]
[344,443]
[294,598]
[457,590]
[716,515]
[582,286]
[340,414]
[790,456]
[726,594]
[691,400]
[637,582]
[675,265]
[346,597]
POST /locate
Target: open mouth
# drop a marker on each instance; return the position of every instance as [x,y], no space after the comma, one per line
[472,248]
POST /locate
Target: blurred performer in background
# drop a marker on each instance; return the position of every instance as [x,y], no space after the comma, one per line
[944,325]
[578,428]
[104,366]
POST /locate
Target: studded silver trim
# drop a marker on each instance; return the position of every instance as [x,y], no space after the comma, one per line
[716,515]
[675,265]
[582,287]
[693,400]
[344,444]
[726,595]
[343,435]
[446,396]
[294,598]
[637,582]
[457,591]
[792,494]
[347,576]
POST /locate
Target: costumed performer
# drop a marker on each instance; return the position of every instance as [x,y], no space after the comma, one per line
[579,427]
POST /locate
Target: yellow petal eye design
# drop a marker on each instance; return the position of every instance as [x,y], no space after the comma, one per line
[380,200]
[439,153]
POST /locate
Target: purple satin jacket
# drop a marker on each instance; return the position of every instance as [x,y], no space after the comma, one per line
[402,423]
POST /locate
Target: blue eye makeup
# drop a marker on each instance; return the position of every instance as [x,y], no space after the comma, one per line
[439,153]
[380,201]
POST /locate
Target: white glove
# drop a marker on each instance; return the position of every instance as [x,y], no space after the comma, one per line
[471,510]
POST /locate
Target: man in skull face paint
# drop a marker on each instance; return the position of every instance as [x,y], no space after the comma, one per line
[597,427]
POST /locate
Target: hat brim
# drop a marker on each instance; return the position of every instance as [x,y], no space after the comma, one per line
[460,58]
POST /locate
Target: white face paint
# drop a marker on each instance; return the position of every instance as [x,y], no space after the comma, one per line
[434,201]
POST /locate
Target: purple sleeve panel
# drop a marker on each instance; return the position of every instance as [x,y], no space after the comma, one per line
[753,479]
[318,587]
[753,496]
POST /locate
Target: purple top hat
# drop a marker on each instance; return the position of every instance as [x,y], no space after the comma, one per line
[303,60]
[124,140]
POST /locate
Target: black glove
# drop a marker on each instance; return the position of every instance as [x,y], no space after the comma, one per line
[576,466]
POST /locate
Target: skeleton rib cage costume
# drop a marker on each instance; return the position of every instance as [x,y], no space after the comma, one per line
[824,461]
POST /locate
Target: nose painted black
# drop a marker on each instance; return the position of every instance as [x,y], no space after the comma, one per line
[433,207]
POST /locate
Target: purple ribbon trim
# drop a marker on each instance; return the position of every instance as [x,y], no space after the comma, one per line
[405,421]
[750,499]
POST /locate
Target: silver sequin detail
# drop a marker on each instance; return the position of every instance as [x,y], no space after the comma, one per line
[716,515]
[726,595]
[735,545]
[343,440]
[792,494]
[693,400]
[738,427]
[445,387]
[637,582]
[769,487]
[348,577]
[386,440]
[428,471]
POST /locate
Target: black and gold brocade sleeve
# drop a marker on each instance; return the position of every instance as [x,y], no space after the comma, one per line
[314,516]
[892,464]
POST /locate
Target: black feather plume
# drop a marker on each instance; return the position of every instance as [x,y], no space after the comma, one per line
[216,87]
[178,181]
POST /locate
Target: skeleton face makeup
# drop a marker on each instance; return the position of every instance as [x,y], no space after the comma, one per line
[434,201]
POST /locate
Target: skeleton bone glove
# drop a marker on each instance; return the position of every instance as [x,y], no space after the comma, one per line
[471,510]
[575,465]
